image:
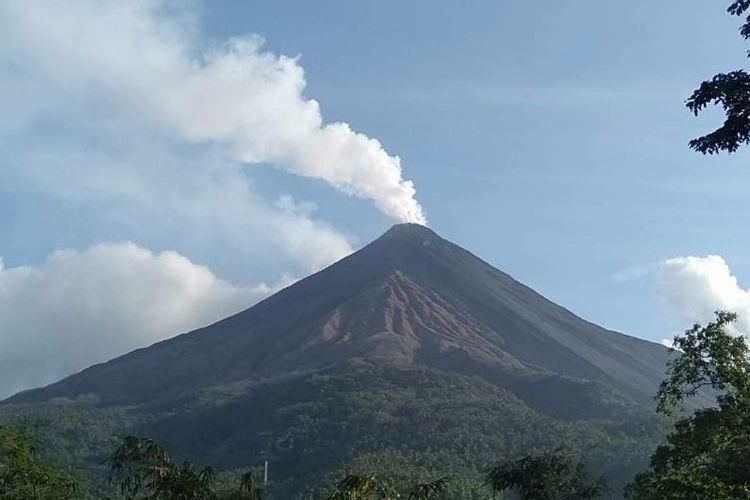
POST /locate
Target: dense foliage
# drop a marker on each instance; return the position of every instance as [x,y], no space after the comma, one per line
[140,469]
[409,425]
[731,91]
[399,421]
[362,487]
[24,477]
[708,454]
[550,476]
[371,487]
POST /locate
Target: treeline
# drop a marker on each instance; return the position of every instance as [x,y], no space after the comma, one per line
[141,469]
[706,456]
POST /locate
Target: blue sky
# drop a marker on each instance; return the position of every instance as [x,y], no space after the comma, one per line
[551,140]
[548,139]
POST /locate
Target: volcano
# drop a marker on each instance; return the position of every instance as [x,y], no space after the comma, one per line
[411,352]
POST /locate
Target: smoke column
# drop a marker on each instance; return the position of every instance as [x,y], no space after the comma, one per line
[152,62]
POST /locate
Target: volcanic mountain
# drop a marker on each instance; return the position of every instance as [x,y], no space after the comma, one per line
[409,351]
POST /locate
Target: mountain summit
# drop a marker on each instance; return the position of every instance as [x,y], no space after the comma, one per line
[409,344]
[410,297]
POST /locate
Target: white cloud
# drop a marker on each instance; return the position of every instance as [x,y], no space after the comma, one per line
[695,287]
[83,307]
[668,343]
[119,111]
[155,67]
[635,273]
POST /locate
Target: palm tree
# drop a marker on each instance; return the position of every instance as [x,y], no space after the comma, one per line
[142,466]
[186,483]
[137,464]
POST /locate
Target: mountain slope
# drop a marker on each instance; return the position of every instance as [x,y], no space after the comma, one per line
[442,342]
[410,296]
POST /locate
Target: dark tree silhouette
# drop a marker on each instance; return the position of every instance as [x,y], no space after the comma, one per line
[549,476]
[137,464]
[139,468]
[731,91]
[250,487]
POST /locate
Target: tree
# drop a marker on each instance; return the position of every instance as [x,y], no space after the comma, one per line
[731,91]
[708,453]
[363,487]
[425,491]
[549,476]
[139,468]
[24,477]
[250,487]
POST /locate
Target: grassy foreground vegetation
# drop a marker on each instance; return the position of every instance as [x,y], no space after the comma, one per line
[706,456]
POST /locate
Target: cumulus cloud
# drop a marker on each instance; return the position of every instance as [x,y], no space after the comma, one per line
[695,287]
[235,94]
[83,307]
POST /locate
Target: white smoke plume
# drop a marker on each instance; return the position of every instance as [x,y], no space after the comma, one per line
[237,95]
[695,287]
[80,308]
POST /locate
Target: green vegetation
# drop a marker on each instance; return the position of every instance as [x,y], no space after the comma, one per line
[362,487]
[708,453]
[407,424]
[140,469]
[425,491]
[549,476]
[370,487]
[339,431]
[24,477]
[410,425]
